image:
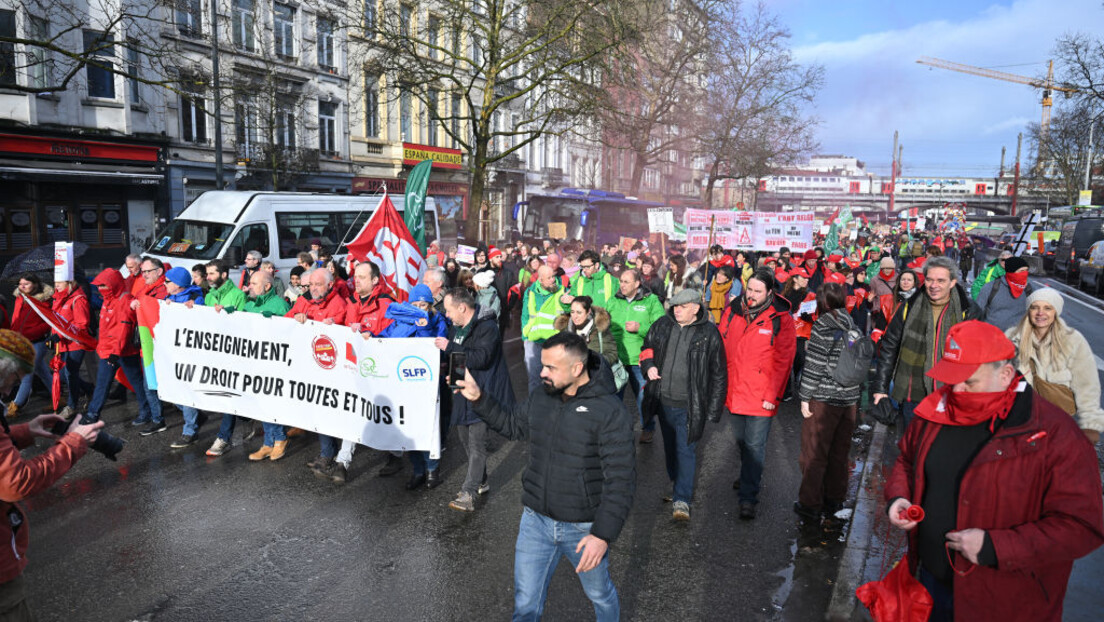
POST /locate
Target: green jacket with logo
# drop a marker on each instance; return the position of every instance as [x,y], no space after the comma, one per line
[991,272]
[227,295]
[538,312]
[270,302]
[644,308]
[601,287]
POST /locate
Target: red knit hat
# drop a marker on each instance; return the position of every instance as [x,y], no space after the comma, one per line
[16,346]
[493,252]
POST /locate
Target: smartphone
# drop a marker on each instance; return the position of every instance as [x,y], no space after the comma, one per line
[458,366]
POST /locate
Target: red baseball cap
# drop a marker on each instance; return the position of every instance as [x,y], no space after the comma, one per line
[836,277]
[835,258]
[969,346]
[799,271]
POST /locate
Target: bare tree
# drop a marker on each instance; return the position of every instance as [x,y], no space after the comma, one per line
[60,39]
[1061,170]
[655,88]
[475,65]
[1081,64]
[756,99]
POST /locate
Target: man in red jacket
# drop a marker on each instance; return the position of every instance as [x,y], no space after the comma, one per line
[117,348]
[324,305]
[760,343]
[153,282]
[21,478]
[1009,485]
[366,312]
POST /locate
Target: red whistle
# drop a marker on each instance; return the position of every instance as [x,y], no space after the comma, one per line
[913,513]
[1036,436]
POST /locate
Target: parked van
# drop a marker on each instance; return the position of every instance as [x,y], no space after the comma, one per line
[1078,235]
[229,224]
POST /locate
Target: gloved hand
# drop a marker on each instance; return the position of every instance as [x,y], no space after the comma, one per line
[229,310]
[113,360]
[266,314]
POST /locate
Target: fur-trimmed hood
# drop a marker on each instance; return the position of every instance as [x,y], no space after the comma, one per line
[46,295]
[601,320]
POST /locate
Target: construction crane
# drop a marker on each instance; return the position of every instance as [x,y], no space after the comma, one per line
[1046,85]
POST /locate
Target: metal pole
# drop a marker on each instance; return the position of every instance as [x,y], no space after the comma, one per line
[217,85]
[1016,177]
[892,177]
[1089,159]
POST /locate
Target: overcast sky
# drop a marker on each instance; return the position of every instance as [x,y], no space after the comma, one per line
[951,124]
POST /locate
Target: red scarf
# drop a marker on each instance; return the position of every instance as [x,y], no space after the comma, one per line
[887,274]
[962,408]
[1017,282]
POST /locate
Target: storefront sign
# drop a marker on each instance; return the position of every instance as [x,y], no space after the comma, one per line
[441,157]
[83,150]
[398,186]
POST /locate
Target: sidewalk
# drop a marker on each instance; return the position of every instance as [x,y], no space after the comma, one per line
[873,546]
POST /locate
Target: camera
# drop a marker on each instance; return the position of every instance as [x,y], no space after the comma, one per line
[106,444]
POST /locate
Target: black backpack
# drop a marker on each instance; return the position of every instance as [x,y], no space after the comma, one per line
[853,363]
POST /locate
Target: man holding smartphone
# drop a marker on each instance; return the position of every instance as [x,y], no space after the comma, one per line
[474,344]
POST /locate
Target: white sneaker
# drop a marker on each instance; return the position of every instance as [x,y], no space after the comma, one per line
[218,448]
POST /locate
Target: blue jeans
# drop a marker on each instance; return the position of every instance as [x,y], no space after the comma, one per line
[681,456]
[636,383]
[149,406]
[533,363]
[541,542]
[273,432]
[420,462]
[41,369]
[907,410]
[226,428]
[751,437]
[78,387]
[191,420]
[942,597]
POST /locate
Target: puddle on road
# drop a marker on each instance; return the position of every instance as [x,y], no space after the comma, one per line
[782,594]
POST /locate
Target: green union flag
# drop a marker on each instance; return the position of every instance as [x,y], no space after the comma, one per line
[414,203]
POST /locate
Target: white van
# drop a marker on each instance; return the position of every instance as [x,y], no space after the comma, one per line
[229,224]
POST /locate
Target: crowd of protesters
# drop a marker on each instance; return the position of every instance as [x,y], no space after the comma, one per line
[691,337]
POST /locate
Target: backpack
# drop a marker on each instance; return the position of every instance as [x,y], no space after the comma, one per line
[853,363]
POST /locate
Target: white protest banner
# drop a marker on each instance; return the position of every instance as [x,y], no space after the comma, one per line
[794,230]
[661,220]
[465,254]
[699,224]
[382,393]
[729,229]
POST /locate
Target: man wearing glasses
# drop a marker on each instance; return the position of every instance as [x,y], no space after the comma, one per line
[591,280]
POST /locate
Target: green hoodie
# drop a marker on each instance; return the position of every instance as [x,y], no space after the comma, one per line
[991,272]
[269,302]
[644,308]
[601,287]
[227,295]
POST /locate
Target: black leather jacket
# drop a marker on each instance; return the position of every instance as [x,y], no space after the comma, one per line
[708,370]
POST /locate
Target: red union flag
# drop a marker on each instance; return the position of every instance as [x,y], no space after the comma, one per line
[386,242]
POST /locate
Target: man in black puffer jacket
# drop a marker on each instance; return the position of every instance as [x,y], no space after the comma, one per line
[684,361]
[578,487]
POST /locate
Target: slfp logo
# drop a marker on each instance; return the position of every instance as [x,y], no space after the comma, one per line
[325,352]
[415,369]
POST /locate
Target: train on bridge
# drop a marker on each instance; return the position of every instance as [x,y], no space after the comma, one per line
[813,183]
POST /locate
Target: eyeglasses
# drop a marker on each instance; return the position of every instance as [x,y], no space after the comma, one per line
[150,271]
[587,266]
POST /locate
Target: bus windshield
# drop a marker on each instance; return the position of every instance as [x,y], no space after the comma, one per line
[193,239]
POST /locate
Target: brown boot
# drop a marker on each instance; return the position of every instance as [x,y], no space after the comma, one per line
[278,450]
[262,453]
[293,432]
[13,410]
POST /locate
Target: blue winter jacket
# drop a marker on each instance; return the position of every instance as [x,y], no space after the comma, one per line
[192,292]
[405,322]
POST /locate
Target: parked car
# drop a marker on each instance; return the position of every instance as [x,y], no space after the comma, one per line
[1049,250]
[1091,271]
[1078,235]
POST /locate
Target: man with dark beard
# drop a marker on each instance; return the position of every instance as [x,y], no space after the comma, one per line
[578,487]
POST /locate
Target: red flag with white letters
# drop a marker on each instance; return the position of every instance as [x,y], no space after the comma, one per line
[386,241]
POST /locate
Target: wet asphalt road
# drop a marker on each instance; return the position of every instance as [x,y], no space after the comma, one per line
[173,535]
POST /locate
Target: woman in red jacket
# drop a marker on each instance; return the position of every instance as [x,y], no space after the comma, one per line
[71,305]
[29,324]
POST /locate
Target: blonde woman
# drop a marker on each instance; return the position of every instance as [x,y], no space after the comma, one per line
[1057,360]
